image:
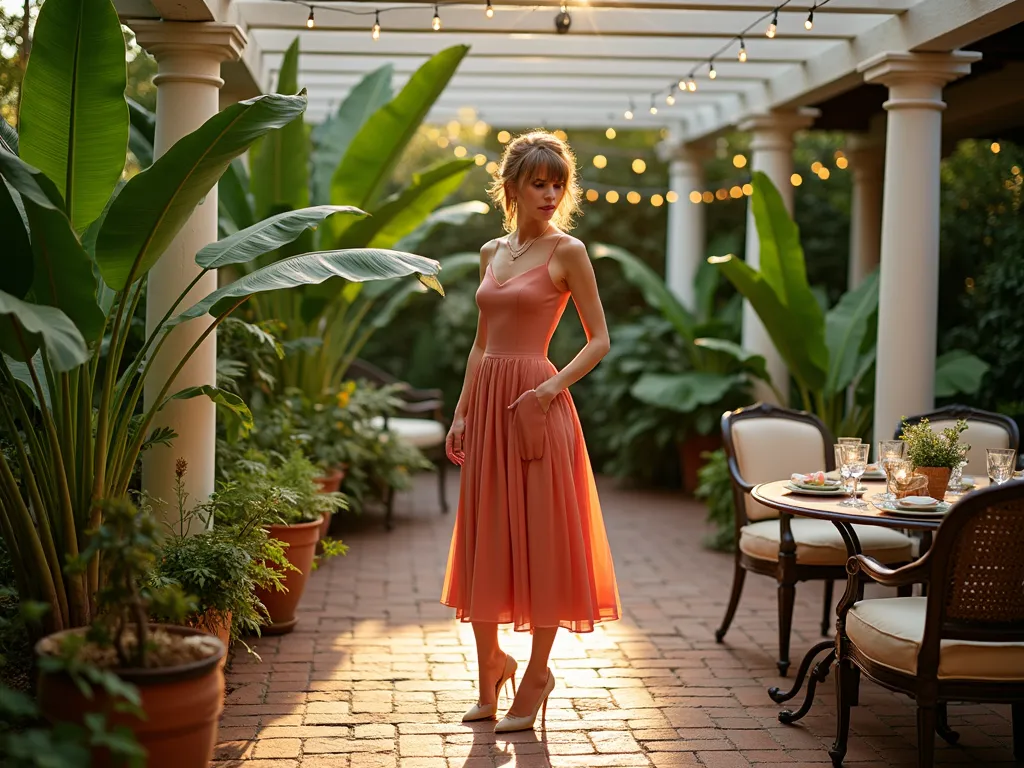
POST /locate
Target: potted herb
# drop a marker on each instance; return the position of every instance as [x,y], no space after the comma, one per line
[167,664]
[282,495]
[221,567]
[935,454]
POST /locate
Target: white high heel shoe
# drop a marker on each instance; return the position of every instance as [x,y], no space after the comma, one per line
[509,724]
[486,711]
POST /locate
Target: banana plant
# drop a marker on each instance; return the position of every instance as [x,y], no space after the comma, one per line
[830,355]
[714,372]
[79,244]
[351,157]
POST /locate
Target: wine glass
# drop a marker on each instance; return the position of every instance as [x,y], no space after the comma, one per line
[839,461]
[855,462]
[956,476]
[887,451]
[843,474]
[900,472]
[1000,463]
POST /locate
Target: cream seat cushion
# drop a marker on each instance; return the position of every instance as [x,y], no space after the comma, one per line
[770,448]
[819,543]
[423,433]
[979,435]
[889,631]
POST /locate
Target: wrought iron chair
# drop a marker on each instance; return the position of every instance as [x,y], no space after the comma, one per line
[984,430]
[763,443]
[963,642]
[421,421]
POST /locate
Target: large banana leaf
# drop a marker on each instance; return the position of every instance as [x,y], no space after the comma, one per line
[64,344]
[784,327]
[280,162]
[242,423]
[8,137]
[268,235]
[456,214]
[405,211]
[234,202]
[157,202]
[62,273]
[142,133]
[453,268]
[846,326]
[16,275]
[753,363]
[73,118]
[312,268]
[684,392]
[959,372]
[784,270]
[376,149]
[332,137]
[653,288]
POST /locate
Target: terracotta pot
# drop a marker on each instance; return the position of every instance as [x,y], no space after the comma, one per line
[938,480]
[339,473]
[301,540]
[330,482]
[182,706]
[216,624]
[690,451]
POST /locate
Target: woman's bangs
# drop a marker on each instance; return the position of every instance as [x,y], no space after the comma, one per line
[544,163]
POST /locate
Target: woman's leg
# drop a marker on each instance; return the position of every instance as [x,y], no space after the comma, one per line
[536,676]
[490,659]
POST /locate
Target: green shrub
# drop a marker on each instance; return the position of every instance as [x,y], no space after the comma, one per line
[715,489]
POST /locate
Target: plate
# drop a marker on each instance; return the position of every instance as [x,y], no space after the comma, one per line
[938,511]
[817,491]
[917,502]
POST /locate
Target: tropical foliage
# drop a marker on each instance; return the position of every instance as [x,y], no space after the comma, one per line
[830,355]
[79,247]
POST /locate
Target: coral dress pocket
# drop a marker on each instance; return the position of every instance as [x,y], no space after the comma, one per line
[529,423]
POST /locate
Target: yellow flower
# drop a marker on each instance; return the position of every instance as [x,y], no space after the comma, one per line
[343,398]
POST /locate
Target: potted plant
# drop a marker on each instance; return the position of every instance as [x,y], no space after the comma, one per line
[221,567]
[935,454]
[167,664]
[281,495]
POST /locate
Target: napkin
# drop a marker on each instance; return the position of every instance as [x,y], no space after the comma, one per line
[814,478]
[919,501]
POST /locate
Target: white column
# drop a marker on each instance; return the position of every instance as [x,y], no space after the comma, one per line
[867,160]
[685,241]
[771,151]
[908,293]
[189,55]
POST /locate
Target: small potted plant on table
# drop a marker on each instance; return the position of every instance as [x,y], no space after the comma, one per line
[935,454]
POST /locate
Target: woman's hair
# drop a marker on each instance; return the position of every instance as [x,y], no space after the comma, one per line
[533,154]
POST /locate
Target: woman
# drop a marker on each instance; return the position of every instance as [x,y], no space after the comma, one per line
[529,546]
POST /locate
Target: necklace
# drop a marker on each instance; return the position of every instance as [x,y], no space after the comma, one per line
[519,250]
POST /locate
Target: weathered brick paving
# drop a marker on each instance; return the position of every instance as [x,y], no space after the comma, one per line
[378,674]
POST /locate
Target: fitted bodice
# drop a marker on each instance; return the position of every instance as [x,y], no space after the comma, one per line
[522,313]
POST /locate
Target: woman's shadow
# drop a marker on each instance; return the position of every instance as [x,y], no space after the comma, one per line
[502,748]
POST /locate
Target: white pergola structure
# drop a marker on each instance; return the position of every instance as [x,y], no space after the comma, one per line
[896,74]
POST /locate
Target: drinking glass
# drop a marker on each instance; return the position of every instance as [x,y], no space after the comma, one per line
[956,476]
[843,474]
[855,462]
[1001,462]
[887,451]
[839,463]
[900,472]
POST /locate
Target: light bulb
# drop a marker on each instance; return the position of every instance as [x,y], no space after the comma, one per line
[489,13]
[682,84]
[670,99]
[375,33]
[774,26]
[712,73]
[743,51]
[436,23]
[691,86]
[310,22]
[628,114]
[809,24]
[654,110]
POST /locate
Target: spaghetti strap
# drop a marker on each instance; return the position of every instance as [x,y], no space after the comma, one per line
[554,248]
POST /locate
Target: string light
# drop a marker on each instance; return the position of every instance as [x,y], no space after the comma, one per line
[743,50]
[809,24]
[436,23]
[489,13]
[712,73]
[670,99]
[375,33]
[310,22]
[654,109]
[628,114]
[774,26]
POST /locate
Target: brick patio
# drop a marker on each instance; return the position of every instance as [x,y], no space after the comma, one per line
[378,674]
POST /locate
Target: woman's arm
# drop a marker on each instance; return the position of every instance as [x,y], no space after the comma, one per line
[454,444]
[578,274]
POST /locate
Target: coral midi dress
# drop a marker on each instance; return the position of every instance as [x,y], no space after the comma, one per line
[529,546]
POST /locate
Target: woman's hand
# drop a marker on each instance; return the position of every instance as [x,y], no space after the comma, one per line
[545,396]
[455,443]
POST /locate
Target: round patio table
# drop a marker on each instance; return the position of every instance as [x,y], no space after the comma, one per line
[778,497]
